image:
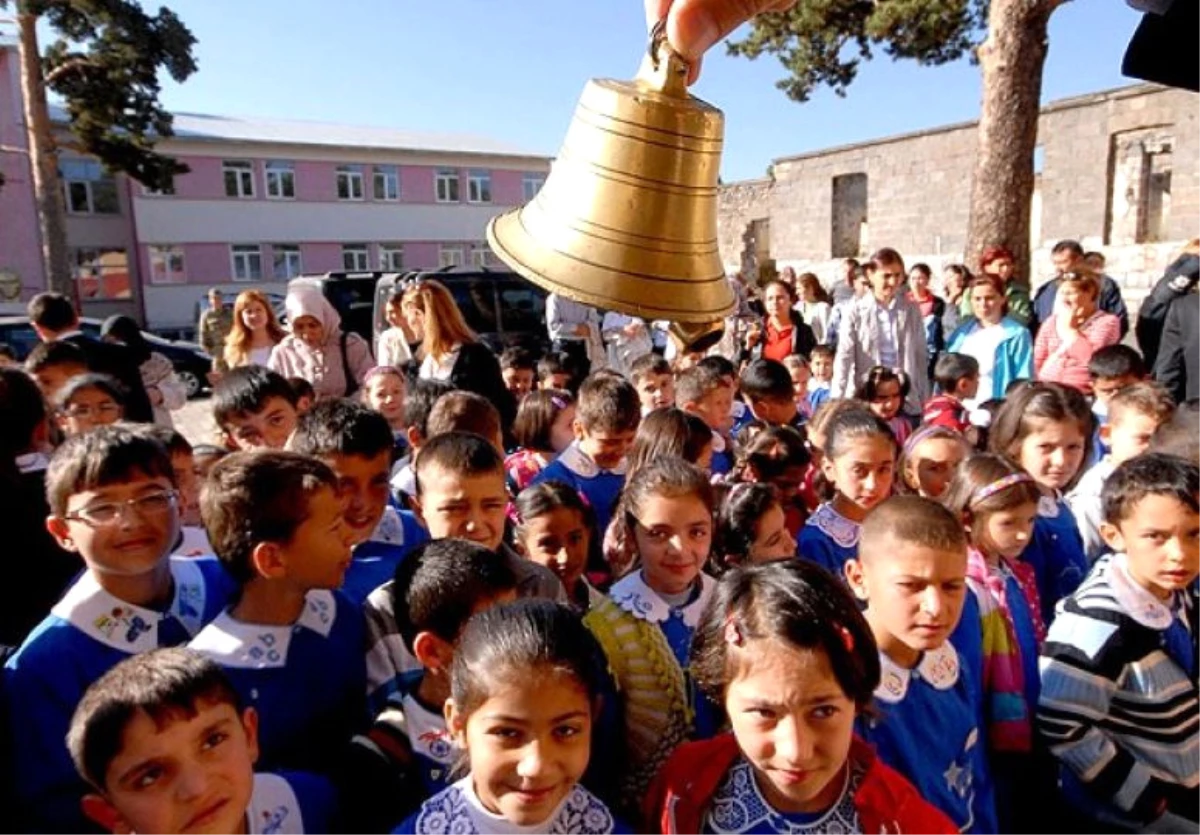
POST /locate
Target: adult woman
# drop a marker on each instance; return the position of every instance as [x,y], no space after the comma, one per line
[999,263]
[932,310]
[399,343]
[318,350]
[255,331]
[782,331]
[1076,330]
[815,305]
[1000,344]
[955,278]
[164,388]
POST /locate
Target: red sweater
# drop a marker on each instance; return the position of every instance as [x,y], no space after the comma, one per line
[680,794]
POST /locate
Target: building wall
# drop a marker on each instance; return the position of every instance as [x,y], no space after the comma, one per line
[21,272]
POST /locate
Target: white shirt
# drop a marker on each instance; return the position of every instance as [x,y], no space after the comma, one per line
[889,350]
[432,369]
[982,344]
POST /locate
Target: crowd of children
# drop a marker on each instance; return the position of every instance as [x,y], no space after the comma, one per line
[700,598]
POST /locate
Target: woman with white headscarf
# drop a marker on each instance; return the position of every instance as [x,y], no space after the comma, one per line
[318,350]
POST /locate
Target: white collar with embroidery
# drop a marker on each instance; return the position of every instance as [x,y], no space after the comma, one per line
[274,808]
[718,442]
[1048,507]
[32,462]
[633,595]
[260,646]
[390,529]
[940,667]
[124,626]
[580,463]
[843,531]
[1139,603]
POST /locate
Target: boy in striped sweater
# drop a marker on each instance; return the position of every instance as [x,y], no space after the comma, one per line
[1118,706]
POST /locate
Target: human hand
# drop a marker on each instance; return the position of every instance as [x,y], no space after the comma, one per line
[693,26]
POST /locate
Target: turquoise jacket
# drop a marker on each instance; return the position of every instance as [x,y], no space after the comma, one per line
[1014,355]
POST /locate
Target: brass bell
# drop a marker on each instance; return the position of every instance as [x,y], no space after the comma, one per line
[627,219]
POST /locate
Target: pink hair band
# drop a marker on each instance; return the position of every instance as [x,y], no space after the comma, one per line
[1000,484]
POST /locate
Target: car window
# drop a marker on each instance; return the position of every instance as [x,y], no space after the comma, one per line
[476,299]
[523,307]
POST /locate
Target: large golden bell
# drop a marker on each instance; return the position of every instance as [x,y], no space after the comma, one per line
[627,219]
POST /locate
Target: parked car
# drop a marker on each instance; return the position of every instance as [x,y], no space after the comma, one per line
[191,363]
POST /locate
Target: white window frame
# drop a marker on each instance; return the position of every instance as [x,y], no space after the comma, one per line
[391,258]
[479,186]
[446,185]
[480,255]
[356,258]
[531,184]
[87,174]
[281,179]
[352,176]
[162,269]
[245,262]
[293,262]
[382,177]
[243,171]
[450,256]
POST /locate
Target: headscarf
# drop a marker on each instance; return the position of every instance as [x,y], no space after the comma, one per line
[310,301]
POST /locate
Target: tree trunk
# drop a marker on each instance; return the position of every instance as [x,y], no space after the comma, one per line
[1011,60]
[43,159]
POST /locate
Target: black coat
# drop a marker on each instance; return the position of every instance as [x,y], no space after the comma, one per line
[119,362]
[1178,279]
[478,370]
[1178,364]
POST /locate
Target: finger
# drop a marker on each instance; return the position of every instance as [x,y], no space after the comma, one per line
[656,10]
[693,26]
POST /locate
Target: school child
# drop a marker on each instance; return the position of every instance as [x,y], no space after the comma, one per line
[1181,434]
[815,489]
[291,643]
[957,379]
[703,392]
[798,367]
[859,462]
[606,420]
[556,529]
[419,401]
[51,364]
[356,443]
[751,527]
[519,370]
[884,392]
[306,395]
[544,427]
[554,371]
[670,431]
[383,391]
[910,573]
[929,459]
[1045,429]
[784,650]
[87,401]
[1118,706]
[778,456]
[1133,415]
[466,411]
[821,364]
[767,388]
[646,625]
[254,408]
[1111,369]
[166,745]
[654,380]
[113,502]
[193,541]
[204,456]
[523,693]
[408,753]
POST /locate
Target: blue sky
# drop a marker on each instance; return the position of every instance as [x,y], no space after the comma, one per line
[513,69]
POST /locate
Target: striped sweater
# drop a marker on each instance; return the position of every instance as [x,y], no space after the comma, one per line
[1119,713]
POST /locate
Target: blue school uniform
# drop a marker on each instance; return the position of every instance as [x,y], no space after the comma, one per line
[290,803]
[829,539]
[738,805]
[374,561]
[1056,553]
[458,809]
[307,680]
[722,456]
[87,633]
[928,730]
[600,487]
[429,738]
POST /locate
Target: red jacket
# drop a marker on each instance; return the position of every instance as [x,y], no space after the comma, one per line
[680,794]
[946,410]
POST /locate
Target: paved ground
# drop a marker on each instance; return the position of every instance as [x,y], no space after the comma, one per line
[195,421]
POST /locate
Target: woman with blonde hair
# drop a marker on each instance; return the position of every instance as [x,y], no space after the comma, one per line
[254,333]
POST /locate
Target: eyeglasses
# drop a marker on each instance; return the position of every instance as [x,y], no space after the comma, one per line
[108,513]
[102,410]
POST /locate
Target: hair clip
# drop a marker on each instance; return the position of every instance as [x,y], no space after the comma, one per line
[847,638]
[1000,484]
[733,632]
[558,402]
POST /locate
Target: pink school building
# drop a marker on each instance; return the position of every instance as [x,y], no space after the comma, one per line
[264,201]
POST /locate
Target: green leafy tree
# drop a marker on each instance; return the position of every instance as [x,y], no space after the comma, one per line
[821,43]
[104,64]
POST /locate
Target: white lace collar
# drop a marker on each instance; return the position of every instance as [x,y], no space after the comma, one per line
[261,646]
[129,628]
[274,808]
[580,463]
[390,529]
[1048,507]
[1139,603]
[837,527]
[940,667]
[458,809]
[633,595]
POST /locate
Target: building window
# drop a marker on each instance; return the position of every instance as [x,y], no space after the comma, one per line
[391,257]
[479,187]
[285,261]
[531,184]
[450,256]
[166,265]
[247,262]
[848,227]
[101,273]
[239,178]
[349,182]
[281,180]
[387,182]
[90,190]
[481,256]
[169,191]
[355,258]
[446,182]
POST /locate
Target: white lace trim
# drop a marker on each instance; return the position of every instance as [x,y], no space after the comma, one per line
[633,595]
[940,667]
[843,531]
[260,646]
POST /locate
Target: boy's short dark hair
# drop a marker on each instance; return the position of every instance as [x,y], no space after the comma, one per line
[303,388]
[821,351]
[254,497]
[48,354]
[419,401]
[109,385]
[439,585]
[723,366]
[608,404]
[52,311]
[165,684]
[461,453]
[518,358]
[647,365]
[695,383]
[912,520]
[765,379]
[952,367]
[1144,398]
[463,411]
[246,390]
[554,362]
[172,441]
[1067,245]
[1151,474]
[104,456]
[338,426]
[1114,361]
[22,410]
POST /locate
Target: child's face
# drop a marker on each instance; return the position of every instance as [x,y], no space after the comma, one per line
[775,412]
[607,447]
[268,428]
[932,465]
[822,367]
[967,388]
[559,540]
[121,530]
[188,484]
[863,471]
[519,381]
[886,402]
[189,774]
[559,380]
[656,391]
[385,394]
[793,722]
[800,375]
[52,378]
[562,431]
[1161,540]
[363,488]
[1105,387]
[529,744]
[87,409]
[1005,533]
[462,506]
[1053,452]
[673,536]
[715,408]
[318,554]
[1128,434]
[772,540]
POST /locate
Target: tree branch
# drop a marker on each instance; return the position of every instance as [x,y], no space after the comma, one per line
[13,149]
[73,64]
